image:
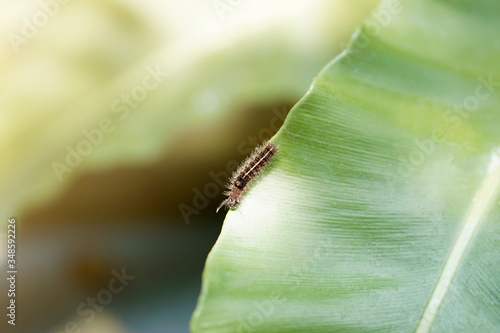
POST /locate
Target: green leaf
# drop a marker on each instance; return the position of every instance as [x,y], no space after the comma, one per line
[381,212]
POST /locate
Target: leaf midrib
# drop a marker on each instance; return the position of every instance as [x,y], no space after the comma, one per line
[482,201]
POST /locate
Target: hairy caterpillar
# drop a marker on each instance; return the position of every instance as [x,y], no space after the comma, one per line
[247,172]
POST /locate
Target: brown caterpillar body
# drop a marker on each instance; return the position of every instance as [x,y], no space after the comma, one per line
[247,172]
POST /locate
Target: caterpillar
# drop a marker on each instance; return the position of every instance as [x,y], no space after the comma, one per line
[247,172]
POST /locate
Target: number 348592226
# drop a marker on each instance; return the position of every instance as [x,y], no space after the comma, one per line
[11,239]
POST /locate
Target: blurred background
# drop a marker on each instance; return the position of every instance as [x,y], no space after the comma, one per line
[120,121]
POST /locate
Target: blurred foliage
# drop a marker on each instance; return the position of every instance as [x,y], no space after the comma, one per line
[71,75]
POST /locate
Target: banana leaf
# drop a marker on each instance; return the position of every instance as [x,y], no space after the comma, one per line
[381,212]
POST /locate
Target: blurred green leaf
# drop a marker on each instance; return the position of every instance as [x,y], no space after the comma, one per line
[381,212]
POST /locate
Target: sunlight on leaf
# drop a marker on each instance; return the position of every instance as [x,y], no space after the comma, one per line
[381,211]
